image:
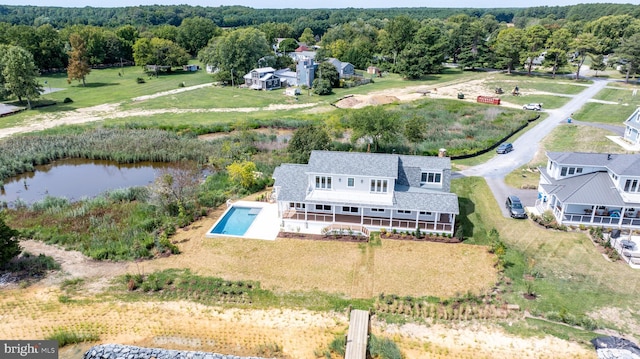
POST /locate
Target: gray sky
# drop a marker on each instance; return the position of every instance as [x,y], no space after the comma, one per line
[313,4]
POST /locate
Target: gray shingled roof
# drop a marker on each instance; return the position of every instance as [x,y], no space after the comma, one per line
[620,164]
[292,180]
[353,163]
[590,189]
[427,201]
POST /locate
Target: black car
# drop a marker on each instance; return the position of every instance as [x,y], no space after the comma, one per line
[516,210]
[504,148]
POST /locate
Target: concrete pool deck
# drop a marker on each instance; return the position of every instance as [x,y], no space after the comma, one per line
[265,225]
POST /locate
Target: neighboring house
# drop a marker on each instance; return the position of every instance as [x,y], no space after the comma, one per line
[211,69]
[190,68]
[591,189]
[306,71]
[345,69]
[632,128]
[287,77]
[300,55]
[366,191]
[263,78]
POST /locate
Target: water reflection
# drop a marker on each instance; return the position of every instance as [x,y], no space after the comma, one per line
[77,178]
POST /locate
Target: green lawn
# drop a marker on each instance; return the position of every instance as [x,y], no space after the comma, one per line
[604,113]
[575,278]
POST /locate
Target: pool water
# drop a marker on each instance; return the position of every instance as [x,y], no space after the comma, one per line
[236,221]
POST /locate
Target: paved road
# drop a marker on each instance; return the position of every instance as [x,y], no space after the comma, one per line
[525,147]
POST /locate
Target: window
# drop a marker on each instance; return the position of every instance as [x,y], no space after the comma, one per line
[402,211]
[563,171]
[296,205]
[323,182]
[350,209]
[425,213]
[572,170]
[634,185]
[377,209]
[379,186]
[350,182]
[431,177]
[579,170]
[323,207]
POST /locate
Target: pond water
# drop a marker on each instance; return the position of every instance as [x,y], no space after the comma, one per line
[75,179]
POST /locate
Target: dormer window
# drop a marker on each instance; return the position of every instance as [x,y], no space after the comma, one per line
[379,186]
[431,177]
[323,182]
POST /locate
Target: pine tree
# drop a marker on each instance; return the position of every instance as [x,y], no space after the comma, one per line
[78,68]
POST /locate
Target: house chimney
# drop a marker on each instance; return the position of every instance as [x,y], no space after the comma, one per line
[442,152]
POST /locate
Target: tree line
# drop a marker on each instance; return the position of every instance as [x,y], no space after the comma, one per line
[406,43]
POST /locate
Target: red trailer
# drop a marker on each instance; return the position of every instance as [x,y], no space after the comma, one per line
[489,99]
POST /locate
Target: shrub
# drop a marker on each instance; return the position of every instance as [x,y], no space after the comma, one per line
[140,80]
[66,337]
[67,100]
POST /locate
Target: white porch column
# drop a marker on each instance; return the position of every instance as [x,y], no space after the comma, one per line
[305,212]
[453,223]
[417,219]
[624,209]
[333,213]
[593,213]
[362,216]
[391,218]
[435,221]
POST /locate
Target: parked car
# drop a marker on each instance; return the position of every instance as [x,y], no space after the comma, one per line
[532,106]
[516,210]
[504,148]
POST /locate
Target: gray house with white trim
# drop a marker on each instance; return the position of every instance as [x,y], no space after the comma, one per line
[367,191]
[592,189]
[632,128]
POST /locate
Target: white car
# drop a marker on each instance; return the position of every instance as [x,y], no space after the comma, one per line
[532,106]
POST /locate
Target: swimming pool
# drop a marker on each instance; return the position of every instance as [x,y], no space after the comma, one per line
[236,221]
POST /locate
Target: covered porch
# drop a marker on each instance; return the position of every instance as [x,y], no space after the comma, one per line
[441,223]
[594,214]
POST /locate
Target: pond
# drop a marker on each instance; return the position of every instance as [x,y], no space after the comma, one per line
[75,179]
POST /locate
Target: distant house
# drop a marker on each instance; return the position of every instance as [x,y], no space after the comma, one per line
[211,69]
[367,191]
[306,71]
[591,189]
[373,70]
[345,69]
[287,77]
[190,68]
[632,127]
[263,78]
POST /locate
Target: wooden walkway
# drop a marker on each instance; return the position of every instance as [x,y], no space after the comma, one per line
[358,335]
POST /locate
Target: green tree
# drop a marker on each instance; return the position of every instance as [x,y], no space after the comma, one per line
[128,36]
[328,72]
[424,55]
[167,32]
[243,173]
[19,74]
[584,44]
[415,130]
[307,37]
[9,245]
[557,48]
[629,50]
[158,51]
[597,63]
[274,30]
[236,52]
[78,68]
[374,124]
[508,47]
[399,32]
[288,45]
[535,37]
[50,53]
[305,140]
[321,87]
[194,33]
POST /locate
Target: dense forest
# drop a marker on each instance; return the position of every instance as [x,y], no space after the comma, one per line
[413,42]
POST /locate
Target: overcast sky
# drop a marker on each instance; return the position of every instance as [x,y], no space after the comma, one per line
[313,4]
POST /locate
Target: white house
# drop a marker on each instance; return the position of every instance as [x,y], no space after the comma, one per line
[632,127]
[592,189]
[367,191]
